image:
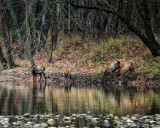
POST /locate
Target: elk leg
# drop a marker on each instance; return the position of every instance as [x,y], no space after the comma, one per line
[44,77]
[40,77]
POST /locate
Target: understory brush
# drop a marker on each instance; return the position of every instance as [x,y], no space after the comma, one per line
[94,57]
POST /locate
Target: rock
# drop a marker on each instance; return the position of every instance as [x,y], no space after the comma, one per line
[29,123]
[27,119]
[35,116]
[152,122]
[129,121]
[158,119]
[144,117]
[119,124]
[19,117]
[67,120]
[116,118]
[56,117]
[6,119]
[133,118]
[36,126]
[27,126]
[95,121]
[26,115]
[125,118]
[5,123]
[74,116]
[133,126]
[48,116]
[18,123]
[5,126]
[106,124]
[51,122]
[44,125]
[88,117]
[145,125]
[158,122]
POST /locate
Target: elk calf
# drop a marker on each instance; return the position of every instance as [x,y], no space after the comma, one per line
[112,67]
[67,73]
[38,70]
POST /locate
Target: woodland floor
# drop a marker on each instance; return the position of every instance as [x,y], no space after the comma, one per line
[22,74]
[88,66]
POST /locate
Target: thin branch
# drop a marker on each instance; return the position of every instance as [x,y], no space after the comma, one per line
[90,7]
[111,9]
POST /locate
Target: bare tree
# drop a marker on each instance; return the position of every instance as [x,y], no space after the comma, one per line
[3,60]
[54,30]
[147,37]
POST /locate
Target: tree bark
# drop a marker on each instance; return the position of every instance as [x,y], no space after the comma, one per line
[15,21]
[8,48]
[3,60]
[54,31]
[28,43]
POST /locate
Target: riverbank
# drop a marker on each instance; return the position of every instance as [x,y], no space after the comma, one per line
[54,76]
[80,120]
[89,64]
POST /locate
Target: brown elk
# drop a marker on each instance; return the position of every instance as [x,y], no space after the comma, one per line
[127,67]
[112,67]
[38,70]
[67,73]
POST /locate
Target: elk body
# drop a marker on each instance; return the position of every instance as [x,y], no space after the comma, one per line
[67,77]
[38,70]
[112,67]
[67,73]
[127,67]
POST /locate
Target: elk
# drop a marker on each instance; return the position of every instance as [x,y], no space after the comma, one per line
[38,70]
[67,73]
[127,67]
[67,76]
[112,67]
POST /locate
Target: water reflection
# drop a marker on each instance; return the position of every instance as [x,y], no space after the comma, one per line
[16,99]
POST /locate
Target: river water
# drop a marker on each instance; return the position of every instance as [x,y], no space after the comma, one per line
[17,99]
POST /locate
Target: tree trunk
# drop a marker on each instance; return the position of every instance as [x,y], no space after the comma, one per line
[15,21]
[54,31]
[148,39]
[155,16]
[117,20]
[8,48]
[152,43]
[3,60]
[28,42]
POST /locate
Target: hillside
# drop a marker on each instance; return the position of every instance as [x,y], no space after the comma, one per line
[92,58]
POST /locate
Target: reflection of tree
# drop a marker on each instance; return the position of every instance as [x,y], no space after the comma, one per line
[2,100]
[21,99]
[34,99]
[154,109]
[118,96]
[10,100]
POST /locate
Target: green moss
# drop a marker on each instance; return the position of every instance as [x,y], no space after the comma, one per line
[48,65]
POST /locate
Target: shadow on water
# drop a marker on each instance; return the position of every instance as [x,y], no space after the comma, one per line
[17,99]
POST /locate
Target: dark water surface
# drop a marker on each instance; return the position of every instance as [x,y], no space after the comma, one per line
[17,99]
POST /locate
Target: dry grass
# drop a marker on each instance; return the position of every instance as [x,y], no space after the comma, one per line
[95,57]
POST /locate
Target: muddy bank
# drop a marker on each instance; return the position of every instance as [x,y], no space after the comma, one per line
[23,74]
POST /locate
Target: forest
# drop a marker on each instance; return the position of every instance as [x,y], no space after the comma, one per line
[87,33]
[80,63]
